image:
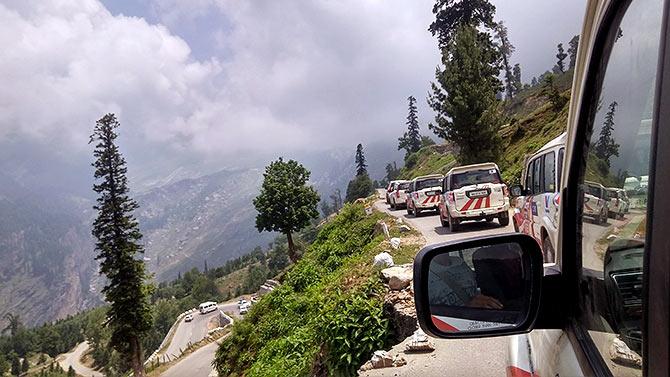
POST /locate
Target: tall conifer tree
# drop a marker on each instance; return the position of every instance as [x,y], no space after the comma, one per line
[411,140]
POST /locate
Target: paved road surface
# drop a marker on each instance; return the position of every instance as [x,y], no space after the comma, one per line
[197,364]
[194,331]
[73,359]
[471,357]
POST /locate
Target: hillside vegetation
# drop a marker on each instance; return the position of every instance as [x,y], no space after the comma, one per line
[531,122]
[327,317]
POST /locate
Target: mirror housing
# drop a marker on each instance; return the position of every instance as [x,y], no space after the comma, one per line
[506,281]
[516,190]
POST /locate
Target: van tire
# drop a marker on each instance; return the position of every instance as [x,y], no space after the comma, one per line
[503,219]
[548,252]
[417,212]
[409,211]
[445,224]
[454,225]
[393,206]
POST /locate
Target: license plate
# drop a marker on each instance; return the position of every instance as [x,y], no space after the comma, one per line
[478,193]
[431,193]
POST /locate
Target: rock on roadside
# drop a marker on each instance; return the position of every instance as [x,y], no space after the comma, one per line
[398,277]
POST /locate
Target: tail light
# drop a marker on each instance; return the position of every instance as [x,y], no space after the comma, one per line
[397,194]
[505,190]
[452,198]
[416,195]
[557,199]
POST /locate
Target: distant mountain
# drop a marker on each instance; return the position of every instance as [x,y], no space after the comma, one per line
[46,251]
[47,266]
[191,221]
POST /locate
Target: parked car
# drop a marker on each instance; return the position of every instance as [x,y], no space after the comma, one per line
[399,195]
[244,308]
[537,200]
[473,192]
[424,194]
[602,309]
[390,188]
[618,202]
[188,318]
[595,202]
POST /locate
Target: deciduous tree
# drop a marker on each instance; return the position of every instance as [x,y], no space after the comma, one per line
[286,203]
[118,245]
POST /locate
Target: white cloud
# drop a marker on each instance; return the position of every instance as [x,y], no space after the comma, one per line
[295,75]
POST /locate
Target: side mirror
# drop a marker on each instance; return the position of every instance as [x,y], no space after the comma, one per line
[479,287]
[516,190]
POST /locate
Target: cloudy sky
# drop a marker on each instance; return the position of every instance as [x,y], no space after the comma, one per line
[215,79]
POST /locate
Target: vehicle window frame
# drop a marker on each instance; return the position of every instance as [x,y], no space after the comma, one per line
[529,177]
[537,186]
[655,359]
[545,189]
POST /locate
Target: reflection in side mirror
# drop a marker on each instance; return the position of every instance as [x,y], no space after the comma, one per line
[478,287]
[516,190]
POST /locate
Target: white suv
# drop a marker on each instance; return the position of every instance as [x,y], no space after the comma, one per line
[595,202]
[473,192]
[399,195]
[424,193]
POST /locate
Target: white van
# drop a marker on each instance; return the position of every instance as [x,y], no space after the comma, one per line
[473,192]
[424,194]
[537,202]
[207,307]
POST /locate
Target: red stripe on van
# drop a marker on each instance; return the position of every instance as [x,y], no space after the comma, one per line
[488,202]
[479,203]
[467,205]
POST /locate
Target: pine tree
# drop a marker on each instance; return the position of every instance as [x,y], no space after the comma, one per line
[361,166]
[117,233]
[606,147]
[392,172]
[533,81]
[561,55]
[506,49]
[518,85]
[464,98]
[572,51]
[550,91]
[286,203]
[411,140]
[450,15]
[71,372]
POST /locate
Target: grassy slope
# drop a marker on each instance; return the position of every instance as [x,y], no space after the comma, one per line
[327,316]
[532,123]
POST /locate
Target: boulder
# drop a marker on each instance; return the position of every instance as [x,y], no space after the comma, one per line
[383,259]
[620,353]
[395,242]
[398,277]
[419,342]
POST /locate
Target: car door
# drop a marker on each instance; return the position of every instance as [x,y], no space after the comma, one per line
[615,271]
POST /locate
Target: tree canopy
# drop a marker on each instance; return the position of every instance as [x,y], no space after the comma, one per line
[286,203]
[117,237]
